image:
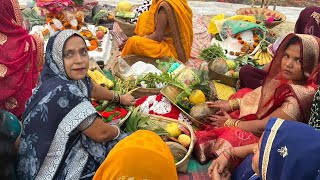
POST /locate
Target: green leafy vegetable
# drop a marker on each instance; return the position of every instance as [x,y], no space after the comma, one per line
[135,121]
[212,52]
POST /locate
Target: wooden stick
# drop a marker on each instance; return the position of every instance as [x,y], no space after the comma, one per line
[275,4]
[262,2]
[267,4]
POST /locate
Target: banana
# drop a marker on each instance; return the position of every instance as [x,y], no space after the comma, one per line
[94,77]
[103,79]
[265,58]
[261,58]
[257,57]
[102,28]
[269,56]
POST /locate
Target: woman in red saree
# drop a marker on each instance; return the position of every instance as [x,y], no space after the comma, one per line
[20,61]
[286,93]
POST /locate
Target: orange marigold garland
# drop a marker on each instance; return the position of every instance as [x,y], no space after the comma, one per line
[67,19]
[94,43]
[247,48]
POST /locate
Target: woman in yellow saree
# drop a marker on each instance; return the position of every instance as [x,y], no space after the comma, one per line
[164,30]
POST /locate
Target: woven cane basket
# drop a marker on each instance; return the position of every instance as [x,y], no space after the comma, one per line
[262,14]
[182,165]
[127,28]
[141,92]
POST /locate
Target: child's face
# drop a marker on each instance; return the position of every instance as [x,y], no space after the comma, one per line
[255,158]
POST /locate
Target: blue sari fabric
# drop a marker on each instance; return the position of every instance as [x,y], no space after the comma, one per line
[52,145]
[289,151]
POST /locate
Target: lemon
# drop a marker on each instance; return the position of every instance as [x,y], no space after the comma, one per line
[173,129]
[197,97]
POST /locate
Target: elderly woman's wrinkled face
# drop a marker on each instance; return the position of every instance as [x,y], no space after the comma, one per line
[76,58]
[291,64]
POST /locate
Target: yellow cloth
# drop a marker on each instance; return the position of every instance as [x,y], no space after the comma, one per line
[146,25]
[142,155]
[212,29]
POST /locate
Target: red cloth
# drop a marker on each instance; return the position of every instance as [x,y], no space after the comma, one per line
[251,77]
[174,113]
[20,59]
[210,139]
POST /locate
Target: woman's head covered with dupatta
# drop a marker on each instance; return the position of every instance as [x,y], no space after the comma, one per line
[309,21]
[21,59]
[309,54]
[288,150]
[67,56]
[61,59]
[142,155]
[275,83]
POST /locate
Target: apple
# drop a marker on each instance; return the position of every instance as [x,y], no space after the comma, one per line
[100,34]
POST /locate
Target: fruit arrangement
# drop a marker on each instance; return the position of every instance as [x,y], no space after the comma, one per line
[94,39]
[99,78]
[263,57]
[124,10]
[94,43]
[225,66]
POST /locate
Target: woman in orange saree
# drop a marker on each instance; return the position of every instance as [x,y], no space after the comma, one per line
[286,93]
[20,61]
[164,30]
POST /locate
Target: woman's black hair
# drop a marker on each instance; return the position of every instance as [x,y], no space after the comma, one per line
[294,40]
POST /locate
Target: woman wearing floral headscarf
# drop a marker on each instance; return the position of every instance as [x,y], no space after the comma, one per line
[20,61]
[63,137]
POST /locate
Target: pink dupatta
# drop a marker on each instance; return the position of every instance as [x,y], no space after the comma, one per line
[20,61]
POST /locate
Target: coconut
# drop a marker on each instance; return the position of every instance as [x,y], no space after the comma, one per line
[218,65]
[171,92]
[201,111]
[177,150]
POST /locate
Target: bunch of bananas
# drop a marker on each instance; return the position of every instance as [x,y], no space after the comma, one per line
[103,28]
[100,78]
[262,57]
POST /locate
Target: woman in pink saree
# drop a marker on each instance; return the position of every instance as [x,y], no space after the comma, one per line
[20,61]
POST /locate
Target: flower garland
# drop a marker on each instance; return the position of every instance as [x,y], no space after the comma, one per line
[74,22]
[247,48]
[94,43]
